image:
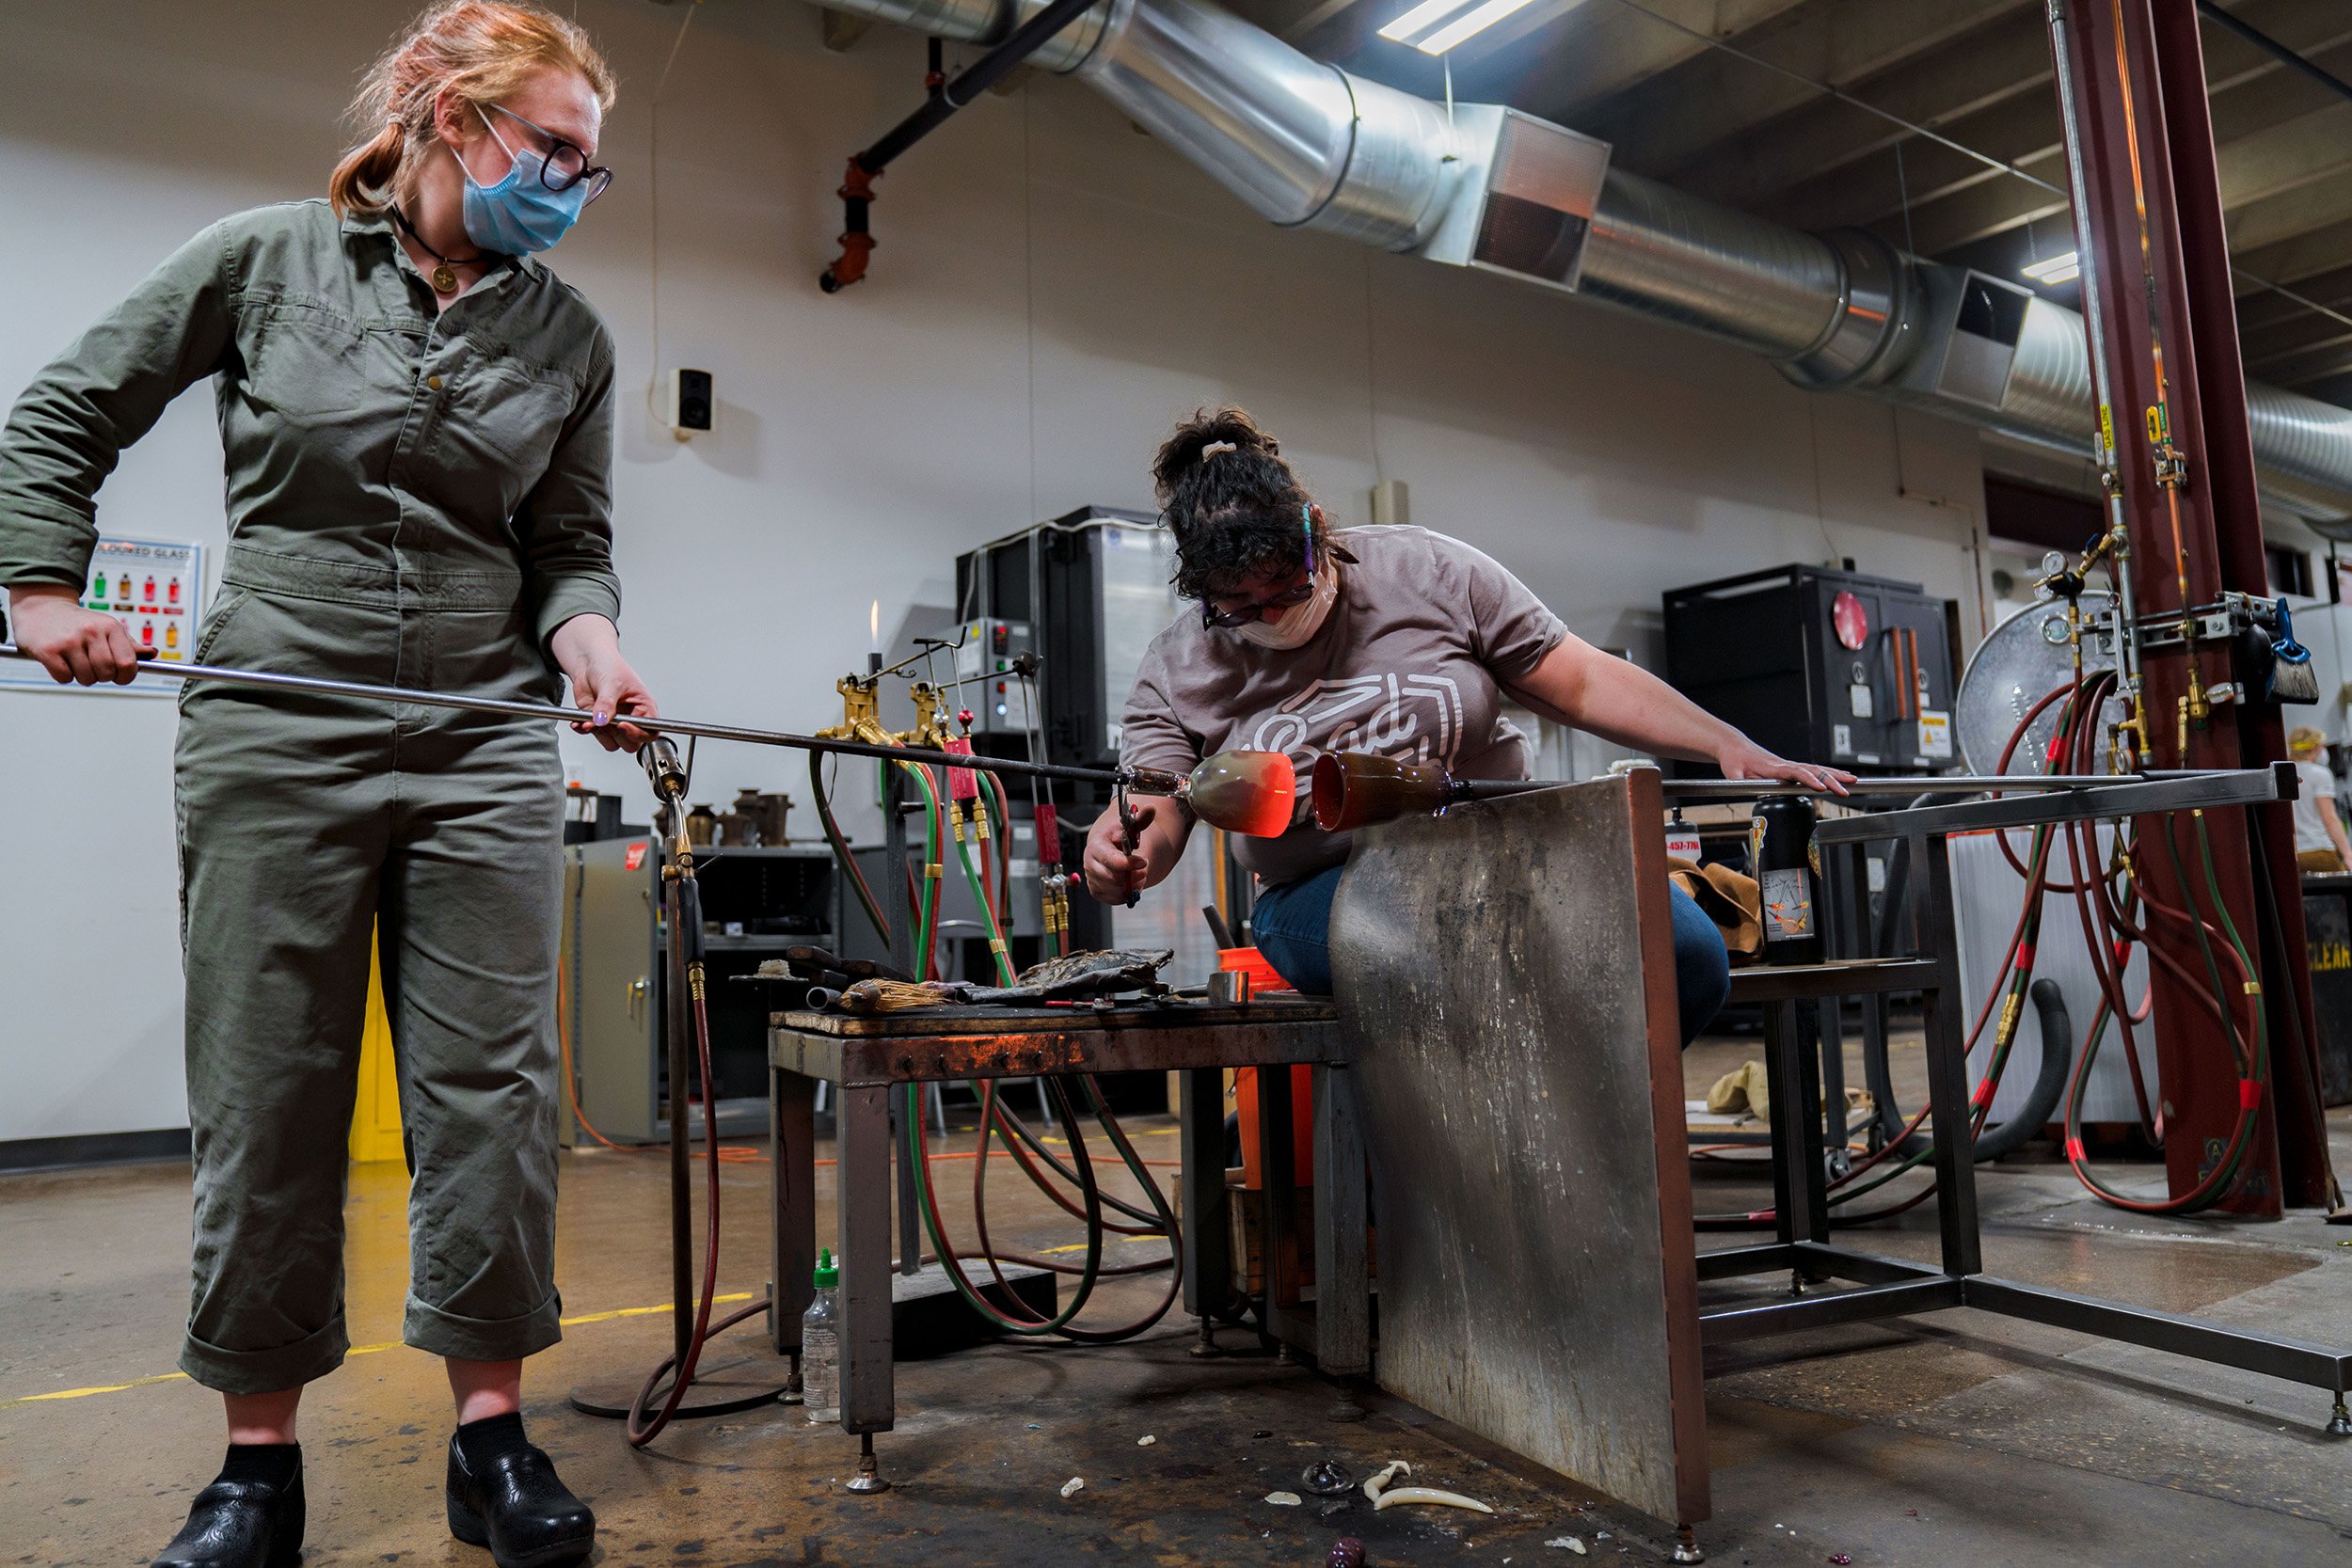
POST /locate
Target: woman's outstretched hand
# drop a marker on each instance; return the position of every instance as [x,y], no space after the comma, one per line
[1743,758]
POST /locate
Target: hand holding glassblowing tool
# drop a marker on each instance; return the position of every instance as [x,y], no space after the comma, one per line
[1128,838]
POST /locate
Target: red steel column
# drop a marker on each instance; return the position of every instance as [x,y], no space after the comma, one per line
[2151,241]
[2179,47]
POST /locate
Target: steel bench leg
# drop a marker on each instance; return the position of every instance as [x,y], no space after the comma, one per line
[1207,1254]
[792,1210]
[1948,1062]
[1278,1197]
[867,1397]
[1343,1278]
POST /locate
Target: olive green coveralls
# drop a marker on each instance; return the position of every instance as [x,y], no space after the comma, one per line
[414,500]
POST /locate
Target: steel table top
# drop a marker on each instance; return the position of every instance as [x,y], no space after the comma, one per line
[1019,1042]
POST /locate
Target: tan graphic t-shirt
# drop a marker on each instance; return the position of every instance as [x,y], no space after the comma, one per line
[1424,639]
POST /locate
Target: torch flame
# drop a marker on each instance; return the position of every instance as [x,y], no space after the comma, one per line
[873,625]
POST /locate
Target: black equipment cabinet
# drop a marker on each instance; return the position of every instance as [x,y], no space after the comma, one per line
[2328,930]
[1090,588]
[1821,665]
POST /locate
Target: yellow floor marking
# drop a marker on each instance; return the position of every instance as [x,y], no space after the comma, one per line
[356,1350]
[646,1311]
[1108,1241]
[109,1389]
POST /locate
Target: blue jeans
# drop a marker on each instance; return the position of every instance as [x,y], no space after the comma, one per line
[1292,926]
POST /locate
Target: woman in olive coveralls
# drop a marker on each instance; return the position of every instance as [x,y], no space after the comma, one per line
[417,424]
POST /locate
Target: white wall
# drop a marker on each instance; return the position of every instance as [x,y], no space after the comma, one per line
[1051,290]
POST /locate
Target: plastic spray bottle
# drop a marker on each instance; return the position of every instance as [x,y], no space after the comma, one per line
[821,1346]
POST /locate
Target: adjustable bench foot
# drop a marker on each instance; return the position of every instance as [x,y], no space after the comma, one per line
[868,1478]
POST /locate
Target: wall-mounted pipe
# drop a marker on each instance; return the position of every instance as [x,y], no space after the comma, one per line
[1306,145]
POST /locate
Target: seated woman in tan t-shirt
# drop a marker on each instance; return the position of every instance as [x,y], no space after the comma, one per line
[1395,641]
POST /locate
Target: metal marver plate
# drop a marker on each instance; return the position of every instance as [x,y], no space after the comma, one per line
[1506,979]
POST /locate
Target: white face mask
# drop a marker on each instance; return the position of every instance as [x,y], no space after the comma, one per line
[1297,625]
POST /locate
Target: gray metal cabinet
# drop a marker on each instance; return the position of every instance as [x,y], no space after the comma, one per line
[755,903]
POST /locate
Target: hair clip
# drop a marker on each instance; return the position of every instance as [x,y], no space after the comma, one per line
[1215,447]
[1306,521]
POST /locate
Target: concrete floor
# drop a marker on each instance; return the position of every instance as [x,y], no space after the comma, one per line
[1959,1439]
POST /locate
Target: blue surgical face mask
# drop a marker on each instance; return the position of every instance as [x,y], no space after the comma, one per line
[520,215]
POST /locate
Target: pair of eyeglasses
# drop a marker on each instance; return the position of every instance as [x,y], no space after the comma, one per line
[565,164]
[1289,599]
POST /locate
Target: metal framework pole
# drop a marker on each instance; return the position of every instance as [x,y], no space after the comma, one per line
[2172,414]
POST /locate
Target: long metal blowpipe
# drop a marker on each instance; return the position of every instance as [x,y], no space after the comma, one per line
[363,692]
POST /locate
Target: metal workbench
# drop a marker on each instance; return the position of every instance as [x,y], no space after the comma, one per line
[1885,1287]
[866,1057]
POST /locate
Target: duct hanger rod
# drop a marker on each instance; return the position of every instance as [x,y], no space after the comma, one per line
[366,693]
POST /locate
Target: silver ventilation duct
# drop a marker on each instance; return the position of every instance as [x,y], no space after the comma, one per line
[1306,145]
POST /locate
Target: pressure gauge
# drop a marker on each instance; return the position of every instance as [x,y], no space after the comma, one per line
[2054,631]
[2053,562]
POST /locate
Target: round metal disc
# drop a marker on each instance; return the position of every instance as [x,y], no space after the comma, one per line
[1851,621]
[2020,661]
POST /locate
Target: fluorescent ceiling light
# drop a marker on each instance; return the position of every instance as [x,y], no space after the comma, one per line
[2058,269]
[1427,26]
[1419,19]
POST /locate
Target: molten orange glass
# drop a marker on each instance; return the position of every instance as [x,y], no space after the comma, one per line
[1245,792]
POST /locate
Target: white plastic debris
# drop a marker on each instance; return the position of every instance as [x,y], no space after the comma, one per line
[1378,1481]
[1146,1441]
[1573,1542]
[1074,1485]
[1430,1494]
[1284,1500]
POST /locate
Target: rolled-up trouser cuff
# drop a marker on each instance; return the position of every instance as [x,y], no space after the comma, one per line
[429,1328]
[265,1371]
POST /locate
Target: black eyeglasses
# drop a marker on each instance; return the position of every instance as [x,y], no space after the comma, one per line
[1289,599]
[565,164]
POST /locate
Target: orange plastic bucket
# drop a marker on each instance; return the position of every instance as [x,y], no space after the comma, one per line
[1263,977]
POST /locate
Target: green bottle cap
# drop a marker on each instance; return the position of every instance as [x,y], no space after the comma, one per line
[827,1275]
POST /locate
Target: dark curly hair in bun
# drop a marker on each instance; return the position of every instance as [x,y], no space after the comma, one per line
[1235,514]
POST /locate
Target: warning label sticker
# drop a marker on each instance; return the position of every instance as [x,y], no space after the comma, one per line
[1935,735]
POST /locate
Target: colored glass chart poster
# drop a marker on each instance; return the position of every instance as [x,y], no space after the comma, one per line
[156,589]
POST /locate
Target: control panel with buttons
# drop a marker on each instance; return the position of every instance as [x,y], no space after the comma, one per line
[987,683]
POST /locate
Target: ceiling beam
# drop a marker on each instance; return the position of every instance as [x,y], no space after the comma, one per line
[2023,131]
[2274,219]
[1609,48]
[1666,122]
[2322,359]
[2272,327]
[2286,154]
[2305,256]
[2009,57]
[2280,135]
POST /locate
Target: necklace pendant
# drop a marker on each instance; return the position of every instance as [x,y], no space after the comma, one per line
[445,279]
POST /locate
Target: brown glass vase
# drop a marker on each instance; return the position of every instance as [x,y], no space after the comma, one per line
[1355,789]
